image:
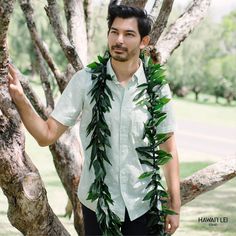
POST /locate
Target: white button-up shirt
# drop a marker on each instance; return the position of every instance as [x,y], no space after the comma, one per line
[126,122]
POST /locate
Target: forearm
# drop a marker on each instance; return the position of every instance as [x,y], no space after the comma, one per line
[36,126]
[45,132]
[171,172]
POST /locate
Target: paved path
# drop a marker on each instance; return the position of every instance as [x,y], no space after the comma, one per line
[203,142]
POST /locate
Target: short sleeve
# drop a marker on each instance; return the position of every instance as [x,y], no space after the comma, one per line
[70,104]
[168,125]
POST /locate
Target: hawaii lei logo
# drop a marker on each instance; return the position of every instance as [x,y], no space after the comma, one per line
[213,221]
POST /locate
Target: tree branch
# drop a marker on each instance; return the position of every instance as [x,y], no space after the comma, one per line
[134,3]
[69,50]
[33,97]
[161,21]
[67,158]
[207,179]
[76,27]
[28,12]
[155,8]
[182,27]
[44,80]
[88,18]
[6,9]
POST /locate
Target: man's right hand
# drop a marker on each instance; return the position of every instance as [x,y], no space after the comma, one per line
[15,88]
[45,132]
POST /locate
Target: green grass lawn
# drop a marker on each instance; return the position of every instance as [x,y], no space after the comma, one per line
[187,169]
[210,113]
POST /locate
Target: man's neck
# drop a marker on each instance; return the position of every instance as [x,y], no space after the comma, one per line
[125,70]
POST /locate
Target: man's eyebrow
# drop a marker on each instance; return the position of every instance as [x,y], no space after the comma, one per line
[129,30]
[113,28]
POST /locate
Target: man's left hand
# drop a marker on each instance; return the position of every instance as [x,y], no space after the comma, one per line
[171,224]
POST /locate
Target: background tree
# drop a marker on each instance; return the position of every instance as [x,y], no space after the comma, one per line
[29,210]
[204,63]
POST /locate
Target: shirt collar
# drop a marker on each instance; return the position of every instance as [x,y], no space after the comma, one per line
[138,77]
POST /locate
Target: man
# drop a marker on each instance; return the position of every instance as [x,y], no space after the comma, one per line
[128,30]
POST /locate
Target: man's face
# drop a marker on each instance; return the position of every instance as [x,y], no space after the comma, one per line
[124,40]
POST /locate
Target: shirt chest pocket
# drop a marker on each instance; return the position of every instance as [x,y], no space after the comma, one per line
[139,117]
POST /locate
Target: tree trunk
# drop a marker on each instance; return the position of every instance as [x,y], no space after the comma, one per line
[67,156]
[67,159]
[76,27]
[69,50]
[161,21]
[88,11]
[20,181]
[135,3]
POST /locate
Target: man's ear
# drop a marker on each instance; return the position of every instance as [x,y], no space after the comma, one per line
[145,41]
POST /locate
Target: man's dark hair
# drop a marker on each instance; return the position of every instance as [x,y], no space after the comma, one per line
[123,11]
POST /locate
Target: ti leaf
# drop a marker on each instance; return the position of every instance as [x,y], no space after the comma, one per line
[146,174]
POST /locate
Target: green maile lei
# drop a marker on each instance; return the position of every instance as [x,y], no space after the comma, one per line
[150,155]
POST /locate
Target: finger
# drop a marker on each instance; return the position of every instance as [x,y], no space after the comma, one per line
[9,75]
[173,228]
[11,84]
[12,71]
[10,78]
[167,225]
[13,87]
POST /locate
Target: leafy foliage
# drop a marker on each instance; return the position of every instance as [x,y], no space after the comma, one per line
[109,222]
[199,65]
[151,155]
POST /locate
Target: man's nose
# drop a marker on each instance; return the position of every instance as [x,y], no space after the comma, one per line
[120,39]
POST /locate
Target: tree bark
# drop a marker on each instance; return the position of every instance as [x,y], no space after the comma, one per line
[69,50]
[61,151]
[155,8]
[76,27]
[67,158]
[161,21]
[134,3]
[207,179]
[44,80]
[37,41]
[88,11]
[20,181]
[40,108]
[183,26]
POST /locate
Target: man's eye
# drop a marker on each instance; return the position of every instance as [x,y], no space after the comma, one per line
[130,35]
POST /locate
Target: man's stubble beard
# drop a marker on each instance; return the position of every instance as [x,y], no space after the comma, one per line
[123,58]
[119,58]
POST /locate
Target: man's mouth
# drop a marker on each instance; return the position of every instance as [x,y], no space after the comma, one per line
[119,49]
